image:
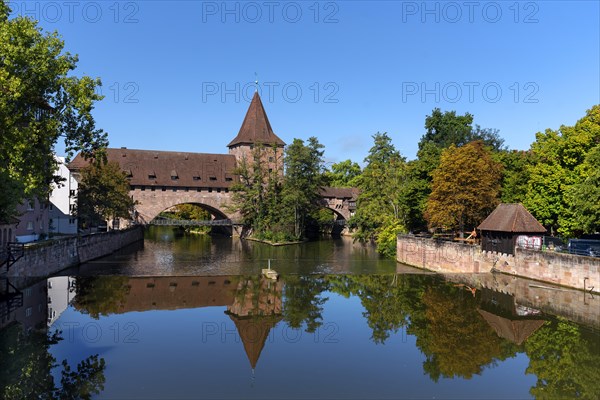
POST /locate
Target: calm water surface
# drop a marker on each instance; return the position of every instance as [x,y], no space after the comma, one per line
[190,317]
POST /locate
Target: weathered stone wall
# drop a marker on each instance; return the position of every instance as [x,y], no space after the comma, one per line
[47,258]
[442,256]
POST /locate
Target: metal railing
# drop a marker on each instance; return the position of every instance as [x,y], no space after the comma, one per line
[178,222]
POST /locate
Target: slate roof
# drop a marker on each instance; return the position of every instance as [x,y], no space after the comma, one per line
[170,168]
[512,217]
[256,127]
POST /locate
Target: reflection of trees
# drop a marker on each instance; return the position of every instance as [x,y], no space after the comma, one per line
[100,295]
[455,339]
[388,299]
[26,366]
[303,301]
[566,360]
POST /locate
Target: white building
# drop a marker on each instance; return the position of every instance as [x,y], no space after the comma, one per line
[61,292]
[63,200]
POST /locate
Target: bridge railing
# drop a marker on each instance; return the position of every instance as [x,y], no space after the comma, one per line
[177,222]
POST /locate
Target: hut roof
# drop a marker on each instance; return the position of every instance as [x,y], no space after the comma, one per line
[511,217]
[517,331]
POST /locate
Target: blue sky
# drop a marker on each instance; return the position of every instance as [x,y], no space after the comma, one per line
[178,75]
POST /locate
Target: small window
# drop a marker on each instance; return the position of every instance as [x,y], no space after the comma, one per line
[209,190]
[198,190]
[151,175]
[143,188]
[30,205]
[219,190]
[213,178]
[174,175]
[28,312]
[174,189]
[270,170]
[30,226]
[164,189]
[51,206]
[196,177]
[271,159]
[152,188]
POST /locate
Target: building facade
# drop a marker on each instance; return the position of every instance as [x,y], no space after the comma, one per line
[63,201]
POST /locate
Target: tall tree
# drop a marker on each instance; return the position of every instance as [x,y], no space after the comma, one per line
[303,179]
[515,174]
[583,199]
[465,187]
[445,129]
[40,101]
[382,212]
[343,174]
[557,157]
[103,193]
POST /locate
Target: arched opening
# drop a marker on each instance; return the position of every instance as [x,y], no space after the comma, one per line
[194,217]
[328,221]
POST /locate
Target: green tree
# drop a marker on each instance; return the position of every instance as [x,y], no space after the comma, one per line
[515,175]
[343,174]
[258,197]
[303,180]
[566,361]
[442,130]
[465,187]
[303,301]
[41,101]
[382,212]
[27,368]
[558,156]
[583,199]
[103,193]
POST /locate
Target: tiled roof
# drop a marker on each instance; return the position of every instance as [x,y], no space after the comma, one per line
[256,127]
[511,217]
[169,168]
[339,193]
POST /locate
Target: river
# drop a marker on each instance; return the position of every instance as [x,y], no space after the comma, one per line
[190,317]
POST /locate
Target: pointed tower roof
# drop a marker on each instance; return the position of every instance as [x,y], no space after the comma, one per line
[254,332]
[511,217]
[256,127]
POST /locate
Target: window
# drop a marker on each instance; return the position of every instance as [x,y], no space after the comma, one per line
[30,226]
[213,178]
[153,188]
[151,175]
[72,193]
[72,221]
[143,188]
[174,189]
[164,189]
[196,178]
[30,205]
[72,207]
[28,312]
[271,159]
[51,206]
[174,175]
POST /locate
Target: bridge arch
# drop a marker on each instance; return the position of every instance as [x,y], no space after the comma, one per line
[152,203]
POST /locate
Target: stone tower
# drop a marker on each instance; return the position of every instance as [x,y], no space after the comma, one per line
[256,130]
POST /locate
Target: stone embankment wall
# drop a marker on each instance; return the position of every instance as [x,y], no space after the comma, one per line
[47,258]
[449,257]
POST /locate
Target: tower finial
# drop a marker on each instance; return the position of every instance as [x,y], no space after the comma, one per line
[256,80]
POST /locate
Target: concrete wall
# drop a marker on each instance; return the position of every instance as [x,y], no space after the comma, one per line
[449,257]
[47,258]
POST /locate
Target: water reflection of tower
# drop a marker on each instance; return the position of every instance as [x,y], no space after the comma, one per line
[256,309]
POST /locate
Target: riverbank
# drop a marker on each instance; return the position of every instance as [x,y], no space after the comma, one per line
[568,270]
[49,257]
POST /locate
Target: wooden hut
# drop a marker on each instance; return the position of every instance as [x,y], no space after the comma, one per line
[507,225]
